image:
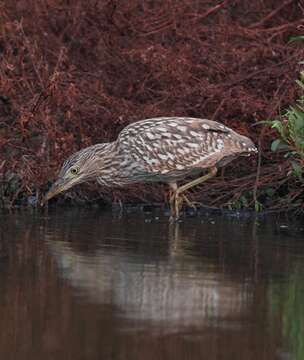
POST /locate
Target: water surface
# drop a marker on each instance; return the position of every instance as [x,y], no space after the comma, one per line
[87,284]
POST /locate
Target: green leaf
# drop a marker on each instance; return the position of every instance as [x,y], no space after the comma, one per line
[275,144]
[297,169]
[289,154]
[298,118]
[270,192]
[278,144]
[269,122]
[258,206]
[277,124]
[300,82]
[296,38]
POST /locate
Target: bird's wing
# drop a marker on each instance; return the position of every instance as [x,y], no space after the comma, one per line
[173,144]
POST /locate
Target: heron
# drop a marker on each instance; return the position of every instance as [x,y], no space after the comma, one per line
[165,149]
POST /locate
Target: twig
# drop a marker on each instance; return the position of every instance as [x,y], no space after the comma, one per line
[271,14]
[212,10]
[255,188]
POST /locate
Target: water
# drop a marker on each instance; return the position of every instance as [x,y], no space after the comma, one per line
[87,284]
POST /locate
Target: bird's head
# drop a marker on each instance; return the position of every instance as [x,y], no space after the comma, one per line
[80,167]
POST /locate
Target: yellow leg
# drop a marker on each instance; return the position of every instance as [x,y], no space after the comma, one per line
[176,199]
[172,204]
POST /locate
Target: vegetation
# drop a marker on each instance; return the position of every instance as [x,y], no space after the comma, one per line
[75,73]
[289,144]
[290,131]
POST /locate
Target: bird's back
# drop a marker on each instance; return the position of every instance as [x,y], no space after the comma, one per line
[172,146]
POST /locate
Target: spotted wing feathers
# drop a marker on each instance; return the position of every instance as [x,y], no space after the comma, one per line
[163,145]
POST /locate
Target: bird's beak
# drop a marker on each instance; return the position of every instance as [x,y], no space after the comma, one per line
[58,187]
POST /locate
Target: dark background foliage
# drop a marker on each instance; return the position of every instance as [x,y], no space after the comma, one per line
[76,72]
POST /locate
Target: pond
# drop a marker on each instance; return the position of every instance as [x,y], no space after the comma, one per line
[92,284]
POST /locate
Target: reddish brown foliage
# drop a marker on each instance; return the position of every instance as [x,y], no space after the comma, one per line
[76,72]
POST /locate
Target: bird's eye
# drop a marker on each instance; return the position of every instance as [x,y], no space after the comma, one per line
[74,170]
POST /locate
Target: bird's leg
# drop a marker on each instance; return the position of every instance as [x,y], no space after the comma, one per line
[172,204]
[197,181]
[176,203]
[178,197]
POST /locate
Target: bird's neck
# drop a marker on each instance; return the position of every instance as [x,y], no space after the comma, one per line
[114,165]
[108,163]
[109,148]
[106,153]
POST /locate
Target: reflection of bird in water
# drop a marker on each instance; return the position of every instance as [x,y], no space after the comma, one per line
[156,150]
[172,292]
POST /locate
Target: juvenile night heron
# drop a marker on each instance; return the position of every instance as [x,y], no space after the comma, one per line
[166,149]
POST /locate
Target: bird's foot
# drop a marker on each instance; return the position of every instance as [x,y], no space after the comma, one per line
[176,202]
[173,219]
